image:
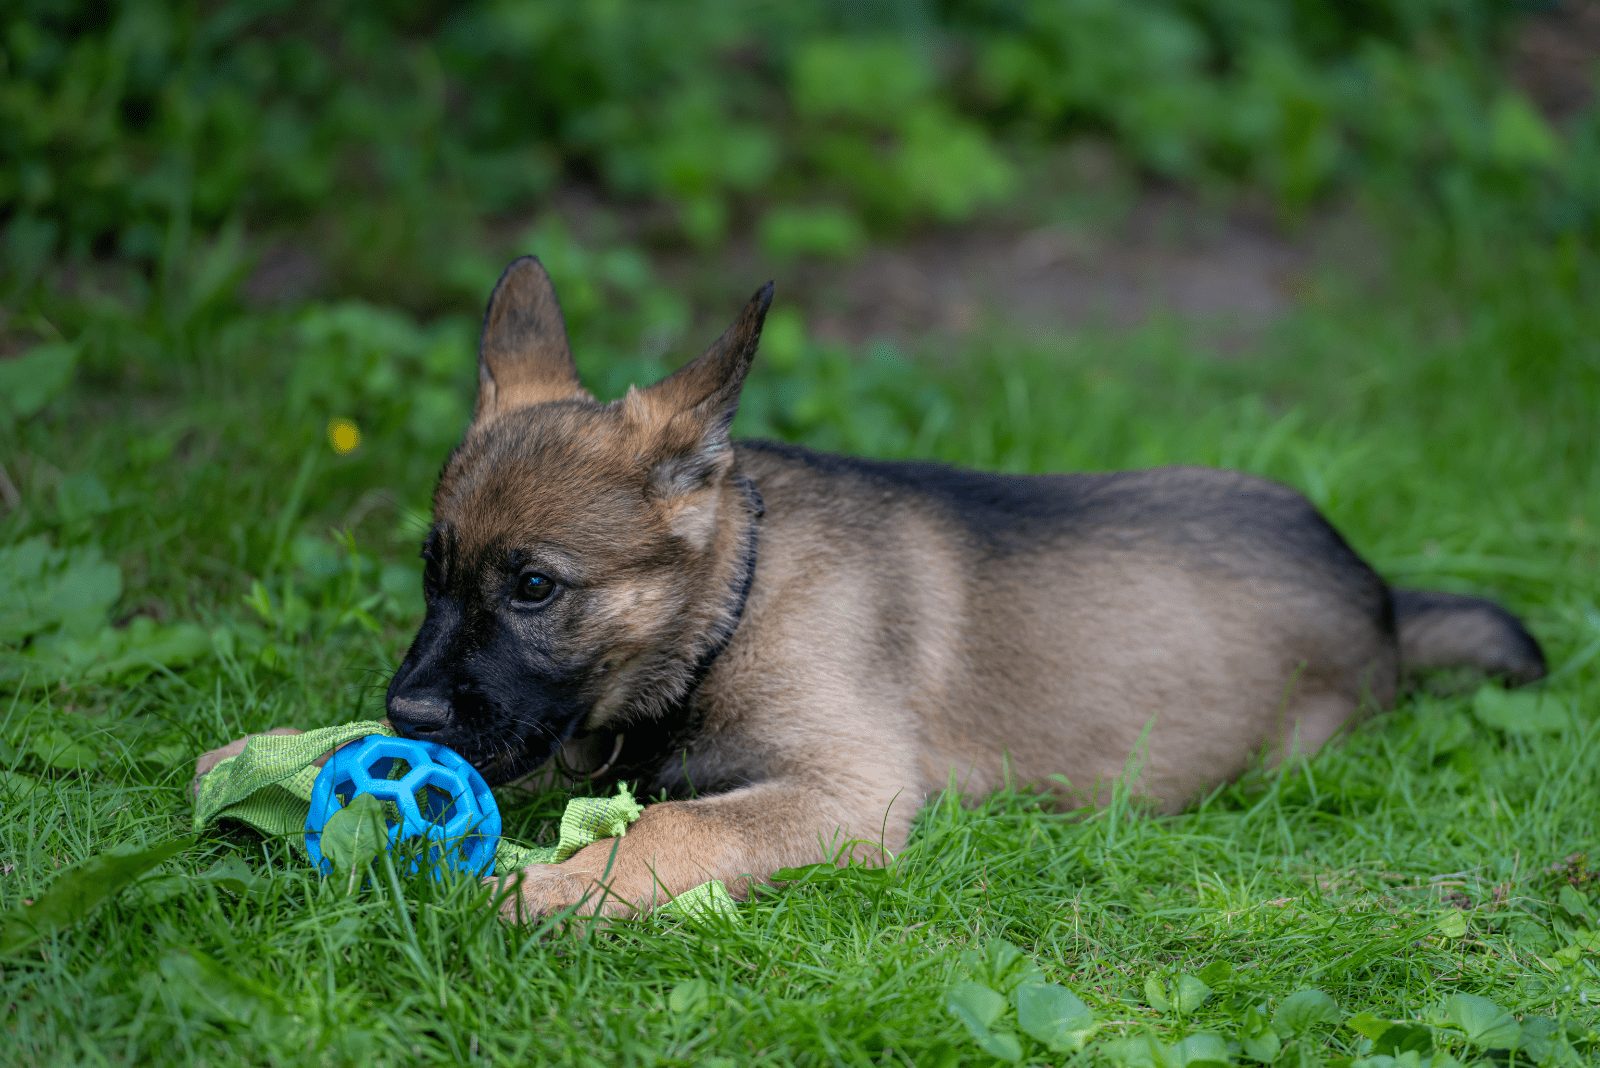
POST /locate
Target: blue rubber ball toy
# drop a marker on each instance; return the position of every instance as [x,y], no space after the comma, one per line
[428,792]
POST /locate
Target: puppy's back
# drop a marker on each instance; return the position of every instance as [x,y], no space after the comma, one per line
[1188,616]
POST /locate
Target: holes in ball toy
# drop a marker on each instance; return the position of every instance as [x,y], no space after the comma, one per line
[436,804]
[392,768]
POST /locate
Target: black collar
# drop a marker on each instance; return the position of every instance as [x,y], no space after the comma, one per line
[634,748]
[741,597]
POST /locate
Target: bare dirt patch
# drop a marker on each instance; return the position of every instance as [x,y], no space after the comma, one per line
[1224,275]
[1556,55]
[1232,277]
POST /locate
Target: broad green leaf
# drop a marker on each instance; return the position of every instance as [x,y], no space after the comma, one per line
[1139,1051]
[14,785]
[692,997]
[978,1007]
[166,755]
[974,1004]
[162,886]
[1218,971]
[1520,711]
[1530,935]
[1001,1045]
[78,890]
[1189,993]
[1575,904]
[1052,1014]
[1404,1038]
[1368,1025]
[1486,1024]
[1185,994]
[1263,1045]
[47,590]
[1001,965]
[57,749]
[1199,1051]
[217,991]
[1001,956]
[355,834]
[829,231]
[30,381]
[1259,1040]
[26,561]
[82,593]
[82,496]
[124,653]
[1519,136]
[235,876]
[1583,942]
[950,165]
[1304,1010]
[1540,1038]
[859,78]
[1453,924]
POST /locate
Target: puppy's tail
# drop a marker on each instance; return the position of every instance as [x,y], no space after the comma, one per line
[1446,630]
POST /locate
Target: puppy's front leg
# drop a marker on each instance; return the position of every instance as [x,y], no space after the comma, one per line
[740,837]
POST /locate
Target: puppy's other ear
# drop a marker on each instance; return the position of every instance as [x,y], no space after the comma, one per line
[687,414]
[523,357]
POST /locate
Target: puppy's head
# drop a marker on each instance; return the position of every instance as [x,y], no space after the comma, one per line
[583,556]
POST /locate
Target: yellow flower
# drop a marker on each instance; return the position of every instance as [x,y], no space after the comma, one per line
[344,436]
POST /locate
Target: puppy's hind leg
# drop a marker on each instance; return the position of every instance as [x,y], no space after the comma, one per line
[1312,720]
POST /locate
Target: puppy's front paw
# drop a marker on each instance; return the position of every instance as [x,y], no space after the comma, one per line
[541,890]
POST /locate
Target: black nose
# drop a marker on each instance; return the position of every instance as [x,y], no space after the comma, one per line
[419,715]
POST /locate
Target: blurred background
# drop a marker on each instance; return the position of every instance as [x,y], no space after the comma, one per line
[906,166]
[244,247]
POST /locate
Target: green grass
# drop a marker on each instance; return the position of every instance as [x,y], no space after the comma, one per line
[1444,417]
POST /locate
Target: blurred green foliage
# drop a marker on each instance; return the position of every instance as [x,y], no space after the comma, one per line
[127,127]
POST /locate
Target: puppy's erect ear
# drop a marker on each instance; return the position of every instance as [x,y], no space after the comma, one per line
[523,358]
[687,414]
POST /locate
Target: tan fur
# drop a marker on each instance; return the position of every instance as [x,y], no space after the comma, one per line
[524,359]
[1066,663]
[1171,626]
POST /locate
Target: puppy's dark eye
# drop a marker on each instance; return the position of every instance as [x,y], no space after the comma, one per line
[533,588]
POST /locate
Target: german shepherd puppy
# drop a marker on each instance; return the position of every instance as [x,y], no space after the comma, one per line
[801,647]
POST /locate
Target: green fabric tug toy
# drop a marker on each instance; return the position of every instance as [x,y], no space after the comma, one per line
[269,786]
